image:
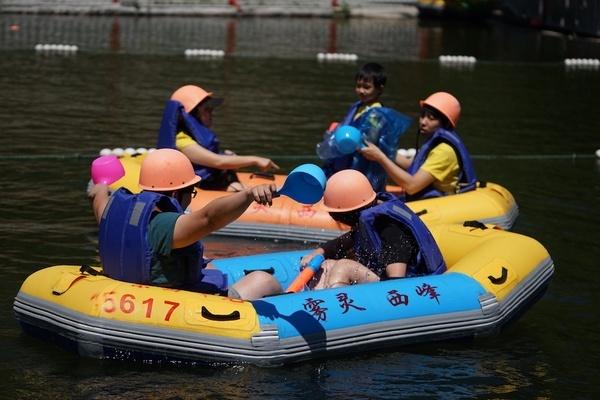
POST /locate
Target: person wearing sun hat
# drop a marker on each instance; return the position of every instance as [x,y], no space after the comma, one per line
[186,126]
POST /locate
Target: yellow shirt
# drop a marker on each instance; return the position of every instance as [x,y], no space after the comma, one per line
[183,140]
[442,164]
[363,109]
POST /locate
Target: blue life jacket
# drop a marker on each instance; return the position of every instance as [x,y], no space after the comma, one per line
[381,126]
[368,244]
[125,251]
[169,127]
[467,179]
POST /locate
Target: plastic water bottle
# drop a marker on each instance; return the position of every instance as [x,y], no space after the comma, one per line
[327,149]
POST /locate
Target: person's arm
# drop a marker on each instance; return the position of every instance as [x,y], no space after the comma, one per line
[396,270]
[99,196]
[410,183]
[332,249]
[403,161]
[190,228]
[201,156]
[398,248]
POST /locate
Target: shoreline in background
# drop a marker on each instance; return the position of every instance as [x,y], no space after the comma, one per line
[208,8]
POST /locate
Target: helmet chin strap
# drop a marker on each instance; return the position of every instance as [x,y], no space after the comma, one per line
[417,140]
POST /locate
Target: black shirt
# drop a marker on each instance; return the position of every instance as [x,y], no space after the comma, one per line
[398,243]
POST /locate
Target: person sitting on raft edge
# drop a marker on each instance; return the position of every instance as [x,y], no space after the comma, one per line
[387,239]
[442,165]
[186,126]
[163,247]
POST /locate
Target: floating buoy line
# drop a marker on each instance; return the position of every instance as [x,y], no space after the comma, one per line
[410,152]
[444,60]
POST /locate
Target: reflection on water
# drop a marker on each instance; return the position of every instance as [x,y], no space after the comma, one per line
[385,39]
[56,112]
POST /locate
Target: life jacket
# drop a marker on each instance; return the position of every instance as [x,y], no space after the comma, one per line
[379,125]
[467,179]
[125,251]
[368,244]
[173,114]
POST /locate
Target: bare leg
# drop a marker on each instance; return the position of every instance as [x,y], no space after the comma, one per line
[349,272]
[256,285]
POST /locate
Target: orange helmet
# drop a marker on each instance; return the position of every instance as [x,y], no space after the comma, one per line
[347,190]
[190,96]
[446,104]
[166,169]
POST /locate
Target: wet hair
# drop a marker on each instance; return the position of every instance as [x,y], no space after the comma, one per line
[372,72]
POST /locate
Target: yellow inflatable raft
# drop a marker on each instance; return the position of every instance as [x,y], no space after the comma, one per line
[490,203]
[492,277]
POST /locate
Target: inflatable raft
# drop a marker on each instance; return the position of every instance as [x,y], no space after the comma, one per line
[492,277]
[490,203]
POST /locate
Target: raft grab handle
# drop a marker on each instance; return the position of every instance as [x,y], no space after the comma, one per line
[235,315]
[270,271]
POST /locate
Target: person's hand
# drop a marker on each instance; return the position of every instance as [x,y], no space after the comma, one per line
[308,257]
[94,190]
[263,194]
[266,164]
[371,152]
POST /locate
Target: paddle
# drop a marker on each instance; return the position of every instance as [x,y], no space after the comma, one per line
[305,184]
[306,274]
[107,170]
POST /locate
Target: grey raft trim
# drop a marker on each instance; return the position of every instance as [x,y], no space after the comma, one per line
[319,235]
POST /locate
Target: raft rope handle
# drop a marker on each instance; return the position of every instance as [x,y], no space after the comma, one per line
[89,270]
[235,315]
[422,212]
[267,270]
[263,175]
[475,224]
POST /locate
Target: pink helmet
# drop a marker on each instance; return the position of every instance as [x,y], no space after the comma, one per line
[190,96]
[347,190]
[166,169]
[446,104]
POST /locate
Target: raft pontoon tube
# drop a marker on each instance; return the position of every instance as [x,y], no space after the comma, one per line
[492,277]
[489,203]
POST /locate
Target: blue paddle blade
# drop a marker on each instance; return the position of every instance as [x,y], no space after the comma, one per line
[305,184]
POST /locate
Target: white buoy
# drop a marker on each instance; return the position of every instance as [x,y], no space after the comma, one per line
[105,152]
[410,153]
[402,152]
[598,153]
[337,57]
[141,150]
[118,151]
[451,59]
[151,149]
[130,151]
[211,53]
